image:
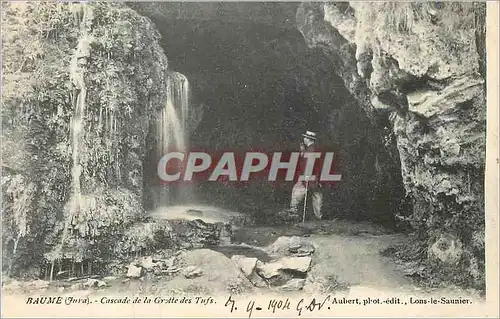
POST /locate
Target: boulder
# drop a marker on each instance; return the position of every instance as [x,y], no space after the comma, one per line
[134,271]
[300,264]
[258,281]
[291,246]
[275,268]
[272,274]
[246,264]
[219,274]
[268,270]
[282,271]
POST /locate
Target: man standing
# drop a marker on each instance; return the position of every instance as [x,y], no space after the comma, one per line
[309,184]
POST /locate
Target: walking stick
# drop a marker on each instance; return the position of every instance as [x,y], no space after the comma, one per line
[305,204]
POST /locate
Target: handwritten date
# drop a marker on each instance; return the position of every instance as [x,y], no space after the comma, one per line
[277,305]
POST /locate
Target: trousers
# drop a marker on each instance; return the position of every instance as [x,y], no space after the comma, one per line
[299,194]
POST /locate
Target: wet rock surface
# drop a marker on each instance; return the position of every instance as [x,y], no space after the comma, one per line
[157,234]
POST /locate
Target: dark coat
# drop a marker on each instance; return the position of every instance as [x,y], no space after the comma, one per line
[317,165]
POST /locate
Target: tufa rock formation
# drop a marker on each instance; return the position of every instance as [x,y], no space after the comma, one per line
[421,67]
[82,82]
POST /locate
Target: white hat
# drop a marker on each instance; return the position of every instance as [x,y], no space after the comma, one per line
[310,135]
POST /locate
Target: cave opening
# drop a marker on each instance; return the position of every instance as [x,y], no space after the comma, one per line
[258,85]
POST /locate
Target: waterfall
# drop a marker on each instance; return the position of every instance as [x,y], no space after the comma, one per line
[77,130]
[173,119]
[172,127]
[77,72]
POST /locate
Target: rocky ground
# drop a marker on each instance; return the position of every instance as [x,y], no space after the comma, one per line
[334,256]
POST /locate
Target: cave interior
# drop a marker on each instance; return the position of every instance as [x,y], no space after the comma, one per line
[261,86]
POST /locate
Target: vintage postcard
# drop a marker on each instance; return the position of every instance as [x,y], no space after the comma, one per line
[249,159]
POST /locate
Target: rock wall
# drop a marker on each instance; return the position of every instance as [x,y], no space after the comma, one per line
[98,63]
[421,66]
[368,155]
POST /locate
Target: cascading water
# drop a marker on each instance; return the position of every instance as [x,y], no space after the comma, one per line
[77,71]
[172,124]
[77,129]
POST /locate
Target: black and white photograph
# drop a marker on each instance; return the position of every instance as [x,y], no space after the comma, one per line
[249,159]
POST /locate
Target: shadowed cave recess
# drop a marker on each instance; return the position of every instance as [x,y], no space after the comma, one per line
[258,85]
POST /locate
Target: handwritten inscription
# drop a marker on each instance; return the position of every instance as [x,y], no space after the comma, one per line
[275,305]
[328,303]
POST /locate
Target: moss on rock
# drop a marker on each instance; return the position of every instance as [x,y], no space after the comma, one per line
[123,69]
